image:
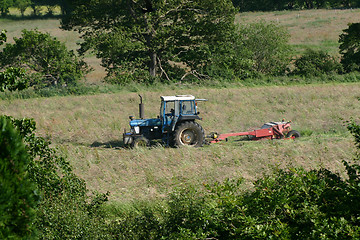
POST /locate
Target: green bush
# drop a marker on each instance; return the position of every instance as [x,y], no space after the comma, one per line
[255,49]
[13,79]
[18,194]
[266,45]
[350,47]
[316,63]
[49,61]
[2,37]
[65,210]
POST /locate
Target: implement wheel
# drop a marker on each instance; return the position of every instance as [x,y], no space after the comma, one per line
[293,134]
[140,142]
[189,134]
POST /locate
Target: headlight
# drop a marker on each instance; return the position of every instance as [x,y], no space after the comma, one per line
[137,129]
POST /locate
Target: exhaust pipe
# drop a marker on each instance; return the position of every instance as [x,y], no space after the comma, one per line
[141,108]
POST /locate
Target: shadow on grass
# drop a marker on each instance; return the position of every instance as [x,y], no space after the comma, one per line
[109,144]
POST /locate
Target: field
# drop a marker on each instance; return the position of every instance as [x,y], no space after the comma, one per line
[88,129]
[316,29]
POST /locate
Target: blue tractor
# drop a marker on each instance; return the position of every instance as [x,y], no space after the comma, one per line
[175,126]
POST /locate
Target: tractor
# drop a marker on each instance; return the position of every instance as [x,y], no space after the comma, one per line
[175,126]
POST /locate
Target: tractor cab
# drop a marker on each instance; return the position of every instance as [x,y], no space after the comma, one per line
[175,109]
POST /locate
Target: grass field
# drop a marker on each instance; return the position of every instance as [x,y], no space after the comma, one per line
[317,29]
[88,130]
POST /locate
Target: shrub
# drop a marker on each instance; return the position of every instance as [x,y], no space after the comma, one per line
[48,60]
[2,37]
[350,47]
[65,210]
[13,79]
[18,195]
[266,45]
[316,63]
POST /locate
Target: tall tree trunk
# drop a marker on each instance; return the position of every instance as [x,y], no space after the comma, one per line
[152,54]
[153,64]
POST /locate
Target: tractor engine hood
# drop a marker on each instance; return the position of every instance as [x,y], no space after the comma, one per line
[152,122]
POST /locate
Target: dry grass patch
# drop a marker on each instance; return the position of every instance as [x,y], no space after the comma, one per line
[309,28]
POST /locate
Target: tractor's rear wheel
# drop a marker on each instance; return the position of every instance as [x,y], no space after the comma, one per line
[293,134]
[189,134]
[140,142]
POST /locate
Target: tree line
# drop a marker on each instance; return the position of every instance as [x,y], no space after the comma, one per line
[35,5]
[241,5]
[166,41]
[277,5]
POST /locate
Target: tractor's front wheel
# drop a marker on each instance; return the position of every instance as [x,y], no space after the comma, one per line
[140,142]
[189,134]
[293,134]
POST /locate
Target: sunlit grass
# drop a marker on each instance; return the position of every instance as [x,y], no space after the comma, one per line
[309,28]
[88,130]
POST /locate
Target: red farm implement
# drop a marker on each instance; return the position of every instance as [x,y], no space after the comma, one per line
[270,130]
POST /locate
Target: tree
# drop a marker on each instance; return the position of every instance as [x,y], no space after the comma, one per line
[2,37]
[155,35]
[22,5]
[4,6]
[267,47]
[66,211]
[18,196]
[47,57]
[350,47]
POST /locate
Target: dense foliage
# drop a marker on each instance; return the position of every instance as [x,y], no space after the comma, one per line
[266,45]
[350,47]
[18,195]
[47,59]
[316,63]
[2,37]
[65,210]
[11,78]
[242,5]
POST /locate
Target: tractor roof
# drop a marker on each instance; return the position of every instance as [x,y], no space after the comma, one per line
[178,97]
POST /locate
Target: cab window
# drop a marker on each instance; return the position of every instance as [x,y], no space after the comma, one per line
[187,107]
[169,107]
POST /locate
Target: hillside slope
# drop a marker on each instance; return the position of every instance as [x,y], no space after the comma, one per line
[88,130]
